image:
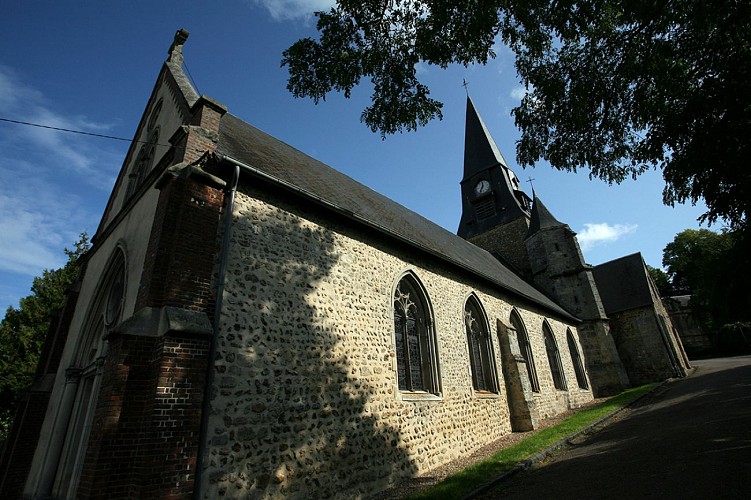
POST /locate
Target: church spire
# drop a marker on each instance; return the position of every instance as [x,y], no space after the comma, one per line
[491,194]
[541,217]
[480,150]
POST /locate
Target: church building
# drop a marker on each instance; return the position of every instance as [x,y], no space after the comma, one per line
[250,322]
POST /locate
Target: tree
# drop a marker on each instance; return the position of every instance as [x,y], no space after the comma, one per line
[616,87]
[660,279]
[24,330]
[712,268]
[693,258]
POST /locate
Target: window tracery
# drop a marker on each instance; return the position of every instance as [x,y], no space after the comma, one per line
[416,355]
[526,349]
[480,348]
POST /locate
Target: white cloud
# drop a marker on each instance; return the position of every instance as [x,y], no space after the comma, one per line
[422,68]
[518,93]
[37,220]
[78,153]
[52,183]
[597,234]
[285,10]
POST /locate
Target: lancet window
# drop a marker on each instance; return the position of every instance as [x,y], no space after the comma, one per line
[83,378]
[416,353]
[526,349]
[554,358]
[480,348]
[581,378]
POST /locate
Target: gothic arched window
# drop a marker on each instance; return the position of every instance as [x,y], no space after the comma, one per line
[480,348]
[83,377]
[416,353]
[581,378]
[526,349]
[142,166]
[554,359]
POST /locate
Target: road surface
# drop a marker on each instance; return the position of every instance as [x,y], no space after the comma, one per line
[689,439]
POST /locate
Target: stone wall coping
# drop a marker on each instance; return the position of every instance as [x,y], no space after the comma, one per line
[161,321]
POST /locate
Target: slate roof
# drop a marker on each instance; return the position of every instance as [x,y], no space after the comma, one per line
[623,284]
[308,177]
[541,218]
[480,150]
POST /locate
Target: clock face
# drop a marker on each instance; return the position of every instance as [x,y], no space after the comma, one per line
[482,187]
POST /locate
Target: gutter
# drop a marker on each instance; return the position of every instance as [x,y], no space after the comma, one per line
[210,371]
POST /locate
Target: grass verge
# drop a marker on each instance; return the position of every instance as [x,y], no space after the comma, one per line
[460,484]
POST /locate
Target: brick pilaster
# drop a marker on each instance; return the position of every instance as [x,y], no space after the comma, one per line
[144,441]
[182,247]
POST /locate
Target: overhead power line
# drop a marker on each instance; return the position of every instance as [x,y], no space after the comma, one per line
[81,132]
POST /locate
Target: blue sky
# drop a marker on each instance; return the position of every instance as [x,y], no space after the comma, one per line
[91,66]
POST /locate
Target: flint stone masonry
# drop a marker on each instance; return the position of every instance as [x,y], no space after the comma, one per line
[507,240]
[306,401]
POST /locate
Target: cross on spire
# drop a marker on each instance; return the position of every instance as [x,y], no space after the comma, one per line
[530,179]
[465,84]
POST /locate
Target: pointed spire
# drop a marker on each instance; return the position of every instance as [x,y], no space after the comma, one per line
[541,217]
[480,150]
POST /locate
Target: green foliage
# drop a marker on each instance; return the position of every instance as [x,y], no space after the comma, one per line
[734,338]
[713,268]
[462,483]
[693,257]
[616,87]
[661,280]
[24,330]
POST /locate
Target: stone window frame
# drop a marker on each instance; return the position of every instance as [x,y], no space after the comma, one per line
[554,357]
[525,347]
[142,165]
[145,158]
[83,376]
[576,360]
[410,298]
[482,366]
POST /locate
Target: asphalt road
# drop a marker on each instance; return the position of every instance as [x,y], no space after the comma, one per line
[689,439]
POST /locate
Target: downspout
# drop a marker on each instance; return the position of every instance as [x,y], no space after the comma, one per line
[203,445]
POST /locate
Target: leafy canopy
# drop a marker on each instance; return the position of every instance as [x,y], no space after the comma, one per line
[616,87]
[713,268]
[24,330]
[661,281]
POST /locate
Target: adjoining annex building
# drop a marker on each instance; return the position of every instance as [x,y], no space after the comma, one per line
[251,323]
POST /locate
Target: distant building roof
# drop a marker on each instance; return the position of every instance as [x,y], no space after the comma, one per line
[307,176]
[682,300]
[623,283]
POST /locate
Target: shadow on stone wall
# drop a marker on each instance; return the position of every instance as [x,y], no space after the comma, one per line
[290,412]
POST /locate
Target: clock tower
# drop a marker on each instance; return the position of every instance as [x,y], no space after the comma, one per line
[495,211]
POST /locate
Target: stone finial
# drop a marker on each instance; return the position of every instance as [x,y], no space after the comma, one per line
[175,52]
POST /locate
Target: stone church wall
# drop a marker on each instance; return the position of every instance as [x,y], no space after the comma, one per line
[641,345]
[693,338]
[508,241]
[306,401]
